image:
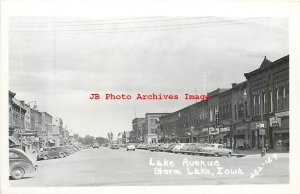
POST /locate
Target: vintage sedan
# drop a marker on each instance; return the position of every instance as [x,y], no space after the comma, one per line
[53,152]
[130,147]
[43,154]
[114,146]
[20,164]
[218,150]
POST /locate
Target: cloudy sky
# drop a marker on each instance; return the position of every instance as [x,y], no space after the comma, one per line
[59,62]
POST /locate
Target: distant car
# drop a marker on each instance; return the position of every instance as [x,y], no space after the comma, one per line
[130,147]
[20,164]
[114,146]
[95,145]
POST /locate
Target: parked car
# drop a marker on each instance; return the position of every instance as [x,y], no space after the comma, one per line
[221,150]
[71,148]
[153,147]
[122,146]
[43,154]
[164,147]
[217,150]
[139,146]
[54,152]
[130,147]
[184,148]
[156,147]
[20,164]
[159,147]
[197,149]
[114,146]
[177,147]
[170,147]
[191,149]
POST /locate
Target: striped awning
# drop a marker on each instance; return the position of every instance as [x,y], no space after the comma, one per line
[14,140]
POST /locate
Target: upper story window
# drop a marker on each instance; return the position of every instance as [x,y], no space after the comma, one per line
[271,101]
[235,112]
[285,100]
[264,103]
[246,109]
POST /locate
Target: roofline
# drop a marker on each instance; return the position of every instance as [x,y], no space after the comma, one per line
[258,69]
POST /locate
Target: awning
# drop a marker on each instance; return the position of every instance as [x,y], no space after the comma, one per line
[14,140]
[220,136]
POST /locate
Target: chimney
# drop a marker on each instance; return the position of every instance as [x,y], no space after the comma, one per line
[233,85]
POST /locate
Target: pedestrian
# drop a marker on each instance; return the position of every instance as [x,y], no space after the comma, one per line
[267,148]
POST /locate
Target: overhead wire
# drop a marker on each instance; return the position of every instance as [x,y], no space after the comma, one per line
[156,27]
[97,24]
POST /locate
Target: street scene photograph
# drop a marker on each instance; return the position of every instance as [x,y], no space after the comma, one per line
[148,101]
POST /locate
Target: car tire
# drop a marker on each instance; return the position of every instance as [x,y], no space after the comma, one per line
[127,149]
[229,155]
[17,173]
[61,155]
[45,157]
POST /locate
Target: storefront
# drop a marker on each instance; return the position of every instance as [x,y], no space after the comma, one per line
[241,139]
[280,135]
[203,136]
[213,133]
[256,138]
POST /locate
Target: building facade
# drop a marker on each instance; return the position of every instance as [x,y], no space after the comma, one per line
[213,114]
[269,98]
[224,122]
[151,127]
[47,129]
[137,129]
[241,116]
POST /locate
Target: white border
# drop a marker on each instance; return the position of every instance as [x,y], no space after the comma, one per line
[278,8]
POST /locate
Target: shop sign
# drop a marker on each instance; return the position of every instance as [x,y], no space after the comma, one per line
[204,129]
[241,128]
[224,129]
[275,122]
[213,131]
[262,131]
[282,114]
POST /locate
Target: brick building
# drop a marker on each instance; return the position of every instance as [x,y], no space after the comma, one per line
[269,98]
[151,126]
[241,115]
[137,128]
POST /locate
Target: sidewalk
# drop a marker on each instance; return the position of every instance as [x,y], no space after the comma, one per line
[257,153]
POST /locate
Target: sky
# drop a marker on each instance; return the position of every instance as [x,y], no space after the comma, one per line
[58,62]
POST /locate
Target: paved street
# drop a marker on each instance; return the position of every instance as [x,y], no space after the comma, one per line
[103,166]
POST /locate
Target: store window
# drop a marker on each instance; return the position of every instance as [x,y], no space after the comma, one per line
[264,103]
[246,109]
[259,105]
[271,101]
[235,112]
